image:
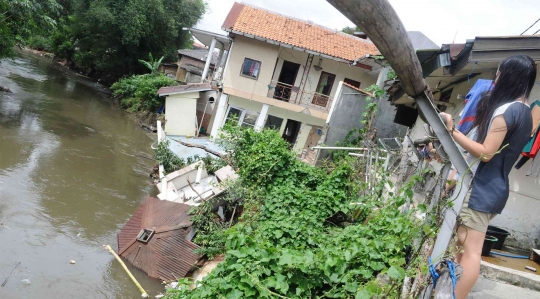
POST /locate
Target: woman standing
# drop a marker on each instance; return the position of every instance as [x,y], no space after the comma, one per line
[503,126]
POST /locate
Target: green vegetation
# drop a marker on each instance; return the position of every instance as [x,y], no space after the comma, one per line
[101,38]
[20,19]
[305,232]
[351,30]
[139,92]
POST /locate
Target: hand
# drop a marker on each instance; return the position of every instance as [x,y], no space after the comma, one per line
[449,121]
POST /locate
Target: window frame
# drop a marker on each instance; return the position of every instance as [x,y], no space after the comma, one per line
[241,117]
[242,68]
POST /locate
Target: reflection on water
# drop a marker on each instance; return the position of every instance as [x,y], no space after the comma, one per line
[69,179]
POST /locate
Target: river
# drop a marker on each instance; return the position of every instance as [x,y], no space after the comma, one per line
[70,177]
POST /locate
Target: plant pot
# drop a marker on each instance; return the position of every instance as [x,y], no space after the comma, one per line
[498,233]
[488,244]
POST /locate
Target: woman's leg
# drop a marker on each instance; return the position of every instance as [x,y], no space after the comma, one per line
[471,242]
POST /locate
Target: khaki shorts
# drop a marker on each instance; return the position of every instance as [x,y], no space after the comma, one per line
[473,219]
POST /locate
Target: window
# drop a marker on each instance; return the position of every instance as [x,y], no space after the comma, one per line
[324,87]
[233,114]
[251,68]
[273,122]
[352,82]
[244,118]
[145,235]
[249,119]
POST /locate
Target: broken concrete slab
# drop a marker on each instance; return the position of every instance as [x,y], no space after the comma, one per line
[489,289]
[511,276]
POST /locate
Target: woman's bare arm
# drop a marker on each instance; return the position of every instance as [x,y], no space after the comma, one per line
[489,147]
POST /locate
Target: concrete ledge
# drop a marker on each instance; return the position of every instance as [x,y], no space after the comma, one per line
[511,276]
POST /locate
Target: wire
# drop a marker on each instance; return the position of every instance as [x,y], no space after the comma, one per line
[530,27]
[536,32]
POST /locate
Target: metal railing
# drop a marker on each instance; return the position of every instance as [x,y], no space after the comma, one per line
[292,94]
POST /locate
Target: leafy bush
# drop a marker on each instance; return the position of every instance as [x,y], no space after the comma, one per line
[285,244]
[139,92]
[39,43]
[170,161]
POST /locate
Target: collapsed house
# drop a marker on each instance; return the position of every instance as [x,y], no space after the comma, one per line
[157,239]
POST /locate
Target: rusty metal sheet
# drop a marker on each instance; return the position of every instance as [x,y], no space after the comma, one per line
[168,255]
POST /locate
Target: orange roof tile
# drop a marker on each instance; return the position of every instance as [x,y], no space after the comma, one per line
[269,25]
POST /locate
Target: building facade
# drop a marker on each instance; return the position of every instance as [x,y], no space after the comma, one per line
[283,73]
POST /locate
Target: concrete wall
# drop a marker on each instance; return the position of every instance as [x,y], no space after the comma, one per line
[521,216]
[180,113]
[347,115]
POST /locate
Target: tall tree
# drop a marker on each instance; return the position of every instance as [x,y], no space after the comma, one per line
[106,38]
[21,18]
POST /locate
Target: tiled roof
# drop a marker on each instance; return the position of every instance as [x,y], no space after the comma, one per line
[261,23]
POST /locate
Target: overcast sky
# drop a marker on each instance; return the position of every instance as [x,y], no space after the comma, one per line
[439,20]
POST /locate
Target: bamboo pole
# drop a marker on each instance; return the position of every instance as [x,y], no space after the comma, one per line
[143,292]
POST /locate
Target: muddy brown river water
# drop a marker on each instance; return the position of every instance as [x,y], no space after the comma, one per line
[70,178]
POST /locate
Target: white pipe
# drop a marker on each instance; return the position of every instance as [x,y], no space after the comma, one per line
[343,148]
[159,132]
[208,59]
[199,172]
[362,155]
[227,61]
[164,183]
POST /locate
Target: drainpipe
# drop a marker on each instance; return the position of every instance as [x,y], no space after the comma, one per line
[208,59]
[382,76]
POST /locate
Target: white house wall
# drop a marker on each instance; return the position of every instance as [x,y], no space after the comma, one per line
[268,55]
[180,113]
[253,49]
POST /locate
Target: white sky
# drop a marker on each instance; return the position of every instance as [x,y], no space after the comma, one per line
[437,19]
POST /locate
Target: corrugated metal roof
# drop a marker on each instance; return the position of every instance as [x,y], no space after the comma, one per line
[168,255]
[191,87]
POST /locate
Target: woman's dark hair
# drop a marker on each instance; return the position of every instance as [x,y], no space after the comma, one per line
[515,80]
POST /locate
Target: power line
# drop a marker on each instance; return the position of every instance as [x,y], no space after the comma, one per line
[536,32]
[530,27]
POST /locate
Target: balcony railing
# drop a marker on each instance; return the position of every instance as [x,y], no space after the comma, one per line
[292,94]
